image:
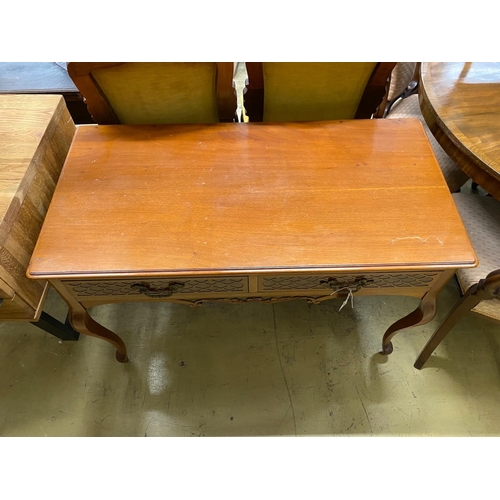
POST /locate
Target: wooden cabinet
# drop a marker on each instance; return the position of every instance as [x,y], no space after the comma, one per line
[35,135]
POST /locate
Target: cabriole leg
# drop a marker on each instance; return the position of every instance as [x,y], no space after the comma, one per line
[424,313]
[82,322]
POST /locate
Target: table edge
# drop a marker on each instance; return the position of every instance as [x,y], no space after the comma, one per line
[264,270]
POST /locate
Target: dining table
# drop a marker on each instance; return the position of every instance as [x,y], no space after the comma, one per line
[460,102]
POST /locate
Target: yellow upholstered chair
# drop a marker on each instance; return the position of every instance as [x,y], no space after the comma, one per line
[481,285]
[155,93]
[284,91]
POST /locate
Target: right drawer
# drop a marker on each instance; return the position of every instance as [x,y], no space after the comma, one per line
[334,281]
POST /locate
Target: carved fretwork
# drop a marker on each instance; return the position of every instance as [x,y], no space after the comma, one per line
[318,282]
[157,287]
[264,300]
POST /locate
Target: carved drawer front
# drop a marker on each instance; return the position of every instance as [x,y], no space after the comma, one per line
[354,281]
[158,288]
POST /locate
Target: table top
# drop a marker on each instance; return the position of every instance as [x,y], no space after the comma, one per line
[461,104]
[248,198]
[25,123]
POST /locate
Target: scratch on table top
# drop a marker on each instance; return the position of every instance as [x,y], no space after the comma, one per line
[423,240]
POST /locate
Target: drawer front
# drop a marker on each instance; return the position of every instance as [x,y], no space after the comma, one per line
[158,288]
[351,280]
[16,309]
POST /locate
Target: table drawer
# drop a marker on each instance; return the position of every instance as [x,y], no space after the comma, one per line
[157,288]
[358,281]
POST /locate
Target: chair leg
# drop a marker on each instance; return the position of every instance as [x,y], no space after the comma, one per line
[407,92]
[485,289]
[462,307]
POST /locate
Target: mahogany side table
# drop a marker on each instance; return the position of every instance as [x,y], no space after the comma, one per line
[250,212]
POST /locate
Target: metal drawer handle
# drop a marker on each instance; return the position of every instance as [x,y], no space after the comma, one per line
[354,285]
[148,290]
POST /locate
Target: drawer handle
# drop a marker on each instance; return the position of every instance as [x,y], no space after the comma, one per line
[354,285]
[148,290]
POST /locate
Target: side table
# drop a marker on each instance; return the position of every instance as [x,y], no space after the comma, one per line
[250,212]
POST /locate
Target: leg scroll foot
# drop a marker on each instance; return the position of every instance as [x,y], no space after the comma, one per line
[387,349]
[121,358]
[424,313]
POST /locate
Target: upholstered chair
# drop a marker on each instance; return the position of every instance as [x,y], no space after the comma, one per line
[401,106]
[480,285]
[295,91]
[156,93]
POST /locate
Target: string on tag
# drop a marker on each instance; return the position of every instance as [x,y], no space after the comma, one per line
[349,296]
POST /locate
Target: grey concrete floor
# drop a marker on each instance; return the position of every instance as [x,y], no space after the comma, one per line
[252,370]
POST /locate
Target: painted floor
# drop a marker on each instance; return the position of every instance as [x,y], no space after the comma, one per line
[252,370]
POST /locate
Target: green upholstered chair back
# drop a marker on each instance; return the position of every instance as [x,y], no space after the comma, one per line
[148,93]
[313,91]
[295,91]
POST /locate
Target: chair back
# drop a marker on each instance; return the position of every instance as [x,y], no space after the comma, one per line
[401,77]
[151,93]
[318,91]
[403,83]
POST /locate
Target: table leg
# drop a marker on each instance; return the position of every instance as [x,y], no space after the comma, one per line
[424,313]
[82,322]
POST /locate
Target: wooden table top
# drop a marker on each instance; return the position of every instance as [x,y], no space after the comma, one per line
[461,104]
[24,126]
[256,197]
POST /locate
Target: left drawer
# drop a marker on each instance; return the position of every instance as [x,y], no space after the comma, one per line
[157,288]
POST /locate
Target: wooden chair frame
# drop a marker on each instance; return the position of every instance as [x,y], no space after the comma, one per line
[486,289]
[101,111]
[411,89]
[375,90]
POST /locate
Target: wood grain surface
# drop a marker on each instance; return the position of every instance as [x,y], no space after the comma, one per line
[232,198]
[35,135]
[461,104]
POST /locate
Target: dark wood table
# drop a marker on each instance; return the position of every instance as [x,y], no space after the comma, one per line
[460,102]
[250,212]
